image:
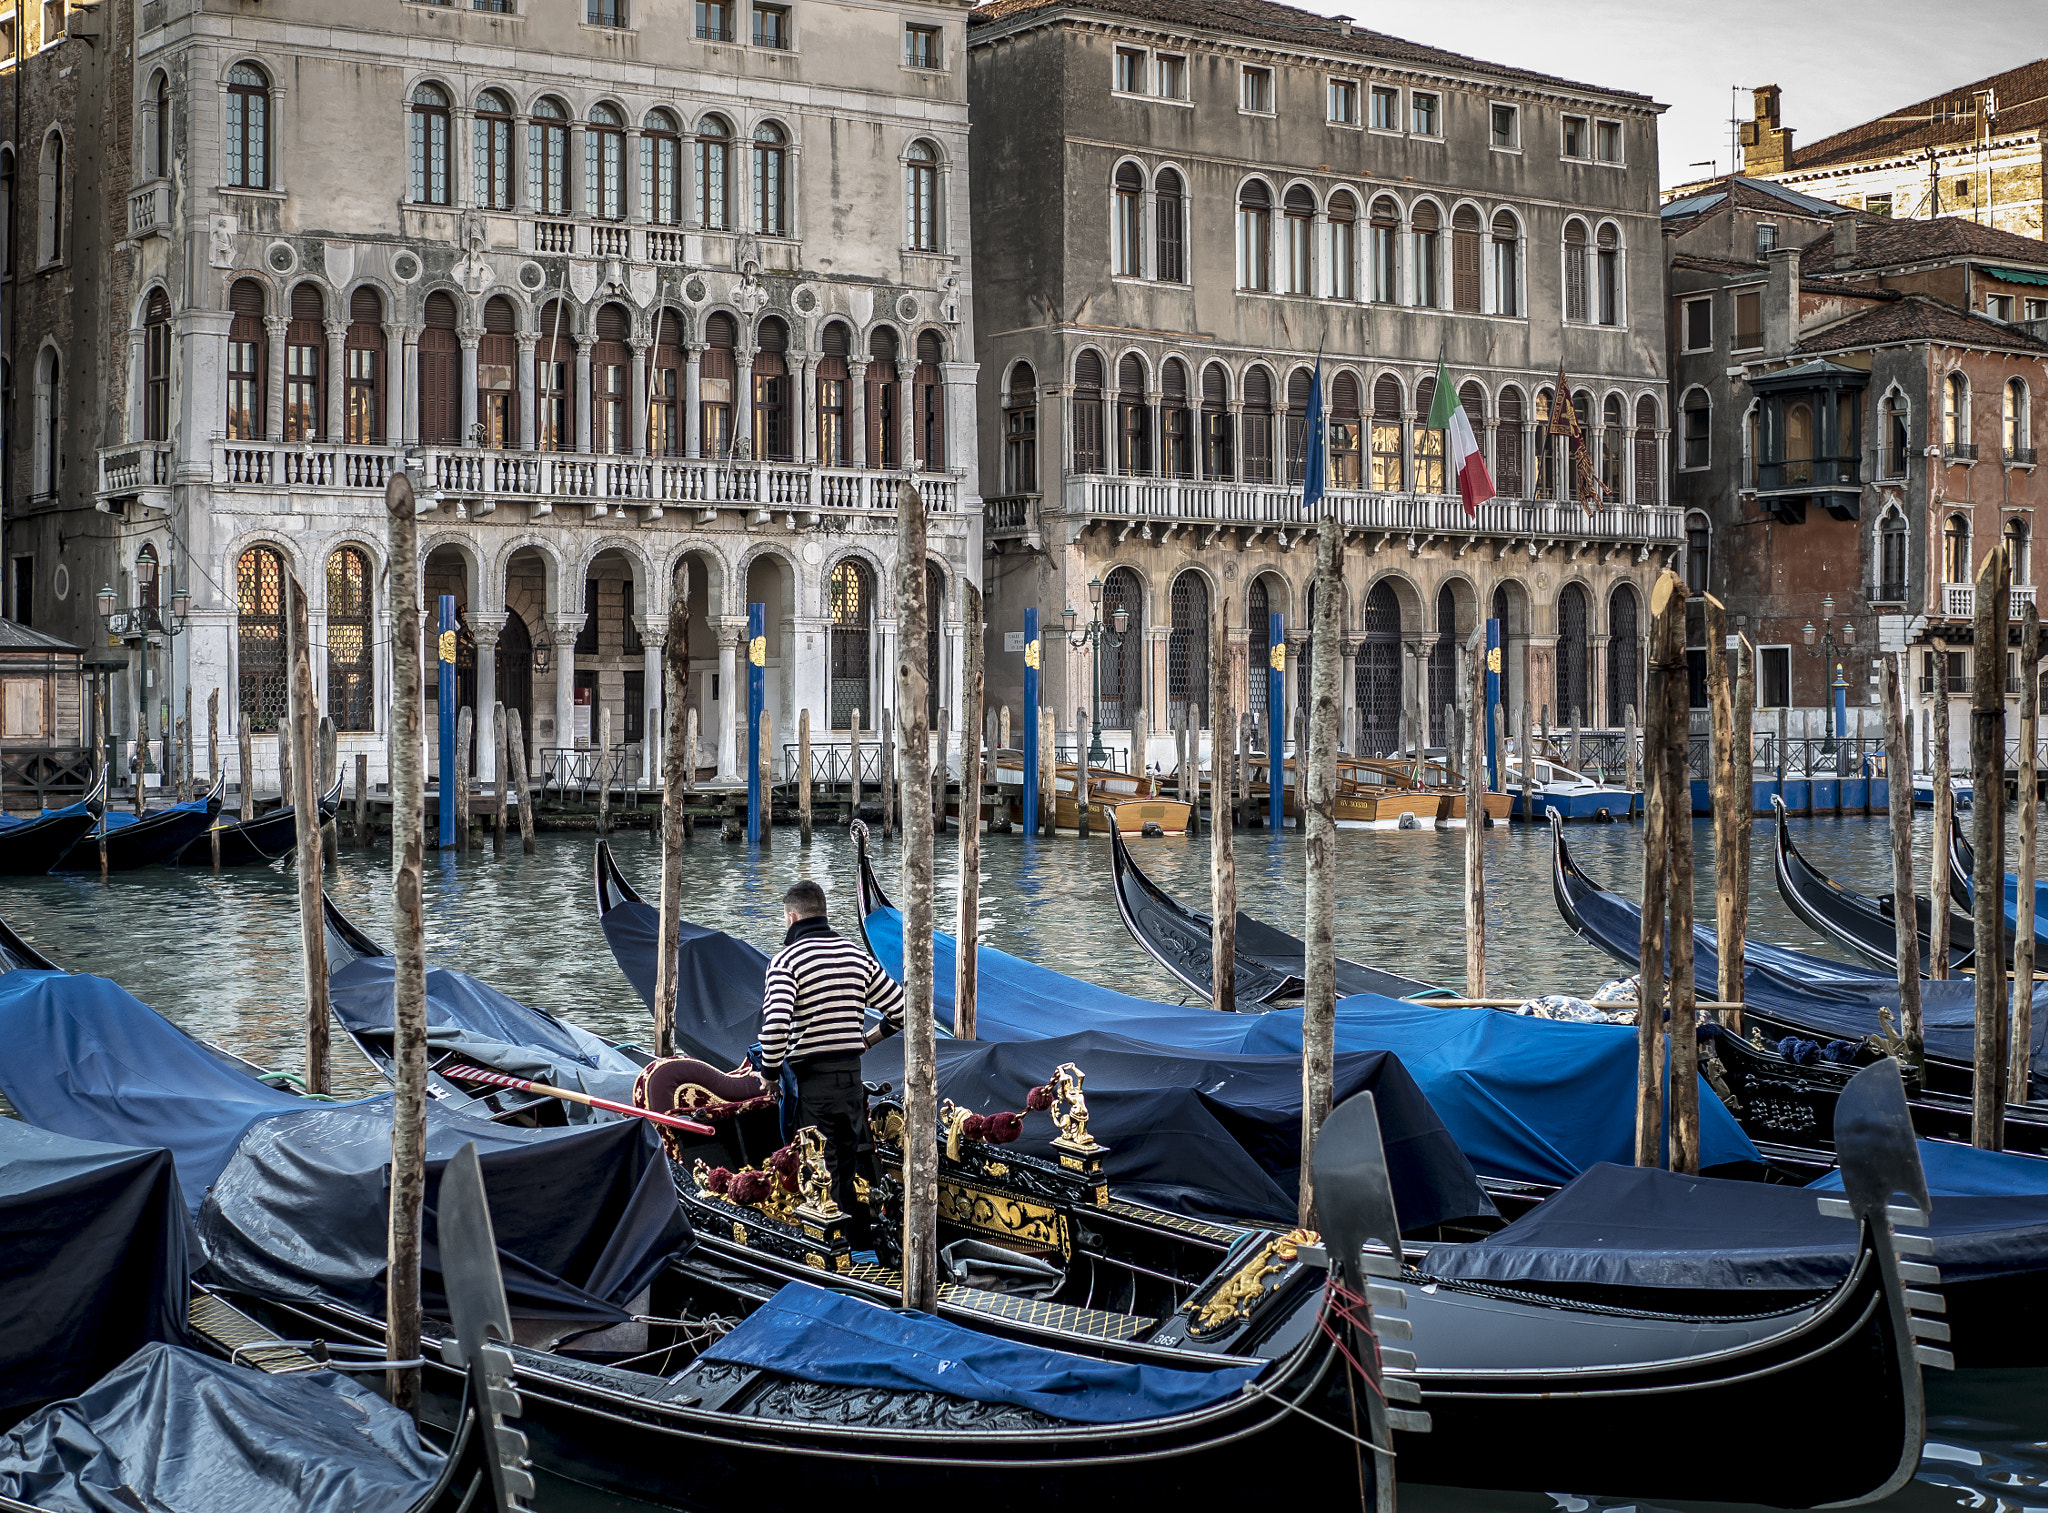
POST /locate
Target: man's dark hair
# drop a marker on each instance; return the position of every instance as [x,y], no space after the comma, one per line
[806,898]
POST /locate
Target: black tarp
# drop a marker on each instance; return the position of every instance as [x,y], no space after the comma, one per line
[718,981]
[173,1431]
[94,1261]
[1632,1226]
[584,1217]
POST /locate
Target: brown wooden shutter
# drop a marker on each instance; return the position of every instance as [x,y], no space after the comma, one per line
[440,370]
[1465,260]
[1648,490]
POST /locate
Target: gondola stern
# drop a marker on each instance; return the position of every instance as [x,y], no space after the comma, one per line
[612,887]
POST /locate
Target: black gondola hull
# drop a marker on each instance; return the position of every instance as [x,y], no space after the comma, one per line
[1865,925]
[35,848]
[153,838]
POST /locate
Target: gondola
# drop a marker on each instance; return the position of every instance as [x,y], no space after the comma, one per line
[1867,926]
[32,846]
[139,841]
[1962,872]
[262,839]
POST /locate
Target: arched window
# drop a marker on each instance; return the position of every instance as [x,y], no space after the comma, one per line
[835,439]
[885,417]
[714,174]
[363,416]
[1123,663]
[440,368]
[1429,443]
[1624,656]
[1575,270]
[1424,223]
[50,201]
[773,433]
[156,347]
[1699,553]
[1609,265]
[1299,382]
[49,462]
[1187,648]
[1383,252]
[853,619]
[1582,412]
[1613,443]
[661,169]
[1128,250]
[248,360]
[1254,236]
[1376,680]
[718,370]
[261,690]
[497,371]
[1465,237]
[1258,425]
[1509,446]
[1258,611]
[1086,412]
[1649,477]
[1571,704]
[431,178]
[248,127]
[1219,450]
[1387,475]
[665,388]
[1300,207]
[1020,432]
[305,343]
[1133,417]
[547,158]
[350,655]
[1176,431]
[610,367]
[604,164]
[2015,418]
[1345,456]
[1343,246]
[1955,550]
[1894,454]
[2016,549]
[1955,411]
[1443,665]
[1546,448]
[771,183]
[553,360]
[1891,566]
[493,154]
[160,129]
[1507,265]
[1698,422]
[934,642]
[921,197]
[1169,228]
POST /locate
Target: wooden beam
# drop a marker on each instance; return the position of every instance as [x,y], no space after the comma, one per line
[920,1047]
[1317,774]
[2019,1052]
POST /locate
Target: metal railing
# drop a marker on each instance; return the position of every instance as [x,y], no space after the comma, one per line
[574,770]
[1797,757]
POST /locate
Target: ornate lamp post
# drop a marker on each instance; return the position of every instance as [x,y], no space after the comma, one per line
[138,628]
[1094,635]
[1829,650]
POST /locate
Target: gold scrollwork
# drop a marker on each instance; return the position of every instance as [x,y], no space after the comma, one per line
[813,1176]
[739,1234]
[1240,1292]
[952,1118]
[1000,1214]
[1069,1108]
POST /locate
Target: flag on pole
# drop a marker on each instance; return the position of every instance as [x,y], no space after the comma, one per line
[1564,421]
[1475,485]
[1315,467]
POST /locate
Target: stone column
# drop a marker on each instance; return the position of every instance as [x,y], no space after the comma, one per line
[581,398]
[1155,432]
[577,203]
[138,386]
[807,399]
[653,637]
[335,423]
[743,405]
[636,402]
[1415,687]
[408,428]
[1156,696]
[1596,681]
[485,627]
[528,376]
[564,628]
[857,408]
[731,697]
[1236,412]
[467,435]
[462,168]
[273,409]
[1347,698]
[693,417]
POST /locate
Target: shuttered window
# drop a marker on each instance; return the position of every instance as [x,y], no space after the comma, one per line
[1218,449]
[552,359]
[1508,444]
[440,418]
[1086,412]
[1386,475]
[248,359]
[1465,239]
[884,397]
[363,416]
[497,374]
[1258,426]
[1649,477]
[715,377]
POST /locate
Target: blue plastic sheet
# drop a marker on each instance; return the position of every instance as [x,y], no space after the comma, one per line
[718,981]
[1963,1171]
[813,1335]
[16,821]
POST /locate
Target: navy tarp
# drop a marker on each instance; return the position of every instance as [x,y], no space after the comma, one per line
[1629,1226]
[584,1218]
[482,1026]
[174,1431]
[718,981]
[16,821]
[813,1335]
[1962,1171]
[94,1263]
[1530,1100]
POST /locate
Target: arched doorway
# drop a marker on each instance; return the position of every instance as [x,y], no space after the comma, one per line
[261,691]
[1443,666]
[1376,681]
[1259,620]
[1187,647]
[1572,648]
[1624,654]
[852,639]
[514,659]
[934,641]
[1123,683]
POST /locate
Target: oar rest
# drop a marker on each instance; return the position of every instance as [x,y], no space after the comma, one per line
[685,1085]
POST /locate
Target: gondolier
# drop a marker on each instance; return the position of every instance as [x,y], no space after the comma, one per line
[813,1018]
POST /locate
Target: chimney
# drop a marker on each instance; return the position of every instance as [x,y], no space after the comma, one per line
[1343,24]
[1781,302]
[1845,239]
[1766,146]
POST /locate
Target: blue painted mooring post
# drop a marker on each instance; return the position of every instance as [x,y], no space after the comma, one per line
[1276,721]
[445,805]
[1030,732]
[1492,702]
[757,658]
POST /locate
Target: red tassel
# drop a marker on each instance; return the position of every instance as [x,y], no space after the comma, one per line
[1038,1100]
[718,1179]
[1001,1129]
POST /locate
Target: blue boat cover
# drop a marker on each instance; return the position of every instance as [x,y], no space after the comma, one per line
[175,1431]
[121,819]
[95,1263]
[16,821]
[718,981]
[813,1335]
[1962,1171]
[1529,1100]
[1630,1226]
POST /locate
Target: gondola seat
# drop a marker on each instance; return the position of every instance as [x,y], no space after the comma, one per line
[685,1085]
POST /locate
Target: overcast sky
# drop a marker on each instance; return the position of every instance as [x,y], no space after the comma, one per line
[1838,64]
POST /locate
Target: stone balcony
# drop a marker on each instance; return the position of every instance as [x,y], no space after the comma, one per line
[1959,601]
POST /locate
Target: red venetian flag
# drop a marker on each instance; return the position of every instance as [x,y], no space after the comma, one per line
[1475,486]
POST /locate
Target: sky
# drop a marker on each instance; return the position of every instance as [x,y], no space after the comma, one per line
[1837,64]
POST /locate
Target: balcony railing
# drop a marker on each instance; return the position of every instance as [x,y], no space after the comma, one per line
[1959,451]
[149,210]
[1809,473]
[2020,457]
[1959,600]
[1182,500]
[1008,516]
[132,468]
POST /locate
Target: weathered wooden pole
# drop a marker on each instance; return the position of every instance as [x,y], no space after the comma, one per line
[1048,782]
[1628,747]
[213,762]
[920,1046]
[1745,776]
[515,743]
[1684,1030]
[408,1180]
[604,769]
[503,780]
[1528,765]
[465,733]
[853,760]
[1578,740]
[803,775]
[176,763]
[1081,733]
[2019,1052]
[966,983]
[885,757]
[677,754]
[1944,818]
[1317,774]
[1728,786]
[1898,761]
[1987,887]
[363,837]
[187,734]
[942,773]
[330,768]
[1667,665]
[312,918]
[767,776]
[1222,851]
[1475,823]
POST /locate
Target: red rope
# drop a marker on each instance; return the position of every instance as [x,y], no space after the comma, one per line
[1357,1312]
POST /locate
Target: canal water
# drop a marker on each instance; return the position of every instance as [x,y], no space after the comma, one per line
[219,955]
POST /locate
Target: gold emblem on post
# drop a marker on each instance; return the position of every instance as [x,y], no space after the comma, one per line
[447,650]
[1278,658]
[1031,654]
[757,651]
[1069,1110]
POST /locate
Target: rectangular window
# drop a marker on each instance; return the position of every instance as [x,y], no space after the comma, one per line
[1607,141]
[1386,108]
[714,21]
[24,590]
[24,711]
[1878,204]
[771,26]
[921,46]
[1130,71]
[1422,115]
[301,393]
[1344,102]
[605,12]
[363,420]
[1998,306]
[1698,325]
[244,381]
[1256,94]
[2036,309]
[1766,239]
[1173,77]
[1774,681]
[1749,320]
[1574,143]
[1507,126]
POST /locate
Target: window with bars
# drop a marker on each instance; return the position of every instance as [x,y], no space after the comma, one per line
[1376,678]
[771,198]
[604,164]
[1123,657]
[493,151]
[661,169]
[261,692]
[547,158]
[431,178]
[771,26]
[351,657]
[1169,228]
[714,172]
[1624,655]
[921,47]
[1573,651]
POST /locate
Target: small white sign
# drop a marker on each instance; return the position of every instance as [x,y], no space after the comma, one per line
[1891,632]
[1013,640]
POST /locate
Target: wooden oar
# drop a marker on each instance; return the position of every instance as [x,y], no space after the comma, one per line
[499,1079]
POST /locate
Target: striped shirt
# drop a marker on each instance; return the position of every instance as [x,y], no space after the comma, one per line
[819,988]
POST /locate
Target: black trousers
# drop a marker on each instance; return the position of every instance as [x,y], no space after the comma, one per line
[829,1096]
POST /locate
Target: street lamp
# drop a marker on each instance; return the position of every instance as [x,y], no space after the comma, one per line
[137,628]
[1828,650]
[543,651]
[1094,635]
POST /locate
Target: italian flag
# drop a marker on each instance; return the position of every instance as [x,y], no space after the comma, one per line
[1475,487]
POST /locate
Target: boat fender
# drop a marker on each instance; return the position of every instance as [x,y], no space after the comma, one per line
[1151,827]
[1407,821]
[1603,815]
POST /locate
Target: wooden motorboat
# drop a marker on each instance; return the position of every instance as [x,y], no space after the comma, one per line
[132,841]
[262,839]
[1867,926]
[30,846]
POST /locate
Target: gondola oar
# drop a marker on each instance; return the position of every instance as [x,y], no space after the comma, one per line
[499,1079]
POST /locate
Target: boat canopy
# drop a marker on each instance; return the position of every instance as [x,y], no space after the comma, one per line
[16,821]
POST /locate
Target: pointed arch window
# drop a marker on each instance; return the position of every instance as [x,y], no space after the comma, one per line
[350,658]
[50,201]
[2015,422]
[431,179]
[48,459]
[1955,411]
[1169,228]
[1086,412]
[714,173]
[305,344]
[1896,447]
[852,595]
[248,360]
[493,151]
[248,127]
[160,130]
[1891,572]
[835,439]
[1624,655]
[156,346]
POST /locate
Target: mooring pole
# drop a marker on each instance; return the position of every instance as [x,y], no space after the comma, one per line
[502,782]
[1033,654]
[966,984]
[604,769]
[803,775]
[942,772]
[515,742]
[1048,771]
[1082,731]
[1222,850]
[1944,820]
[187,735]
[213,762]
[1528,765]
[690,762]
[853,760]
[247,752]
[1730,807]
[885,759]
[1987,887]
[920,1046]
[2019,1052]
[1475,821]
[1898,761]
[465,733]
[284,764]
[1684,1033]
[444,806]
[312,920]
[408,1180]
[677,753]
[1745,775]
[767,776]
[1316,770]
[757,658]
[363,798]
[1667,664]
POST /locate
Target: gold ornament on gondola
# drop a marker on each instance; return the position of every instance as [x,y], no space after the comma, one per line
[1070,1108]
[814,1177]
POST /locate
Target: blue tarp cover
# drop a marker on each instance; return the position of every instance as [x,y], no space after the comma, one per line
[121,819]
[718,981]
[16,821]
[173,1431]
[813,1335]
[1962,1171]
[1525,1099]
[95,1261]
